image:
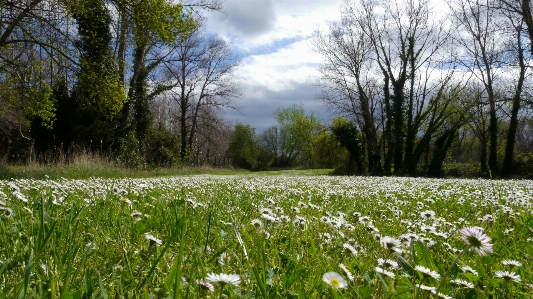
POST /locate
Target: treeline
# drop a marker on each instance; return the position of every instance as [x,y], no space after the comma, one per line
[420,85]
[89,76]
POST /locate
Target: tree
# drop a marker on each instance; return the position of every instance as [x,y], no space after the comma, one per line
[349,137]
[296,131]
[242,150]
[201,72]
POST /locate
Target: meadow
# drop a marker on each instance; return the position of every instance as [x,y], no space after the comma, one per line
[257,236]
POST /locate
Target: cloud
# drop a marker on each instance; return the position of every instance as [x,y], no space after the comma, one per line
[247,18]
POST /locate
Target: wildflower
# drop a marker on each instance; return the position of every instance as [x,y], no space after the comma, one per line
[335,280]
[153,240]
[348,273]
[388,263]
[427,215]
[427,288]
[441,295]
[508,275]
[256,223]
[427,273]
[476,239]
[468,269]
[462,282]
[350,248]
[206,285]
[223,279]
[512,263]
[390,243]
[384,272]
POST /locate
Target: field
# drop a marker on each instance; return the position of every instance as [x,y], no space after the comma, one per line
[257,236]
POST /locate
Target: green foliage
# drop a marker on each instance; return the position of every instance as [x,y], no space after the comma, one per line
[350,138]
[98,86]
[162,19]
[242,148]
[327,153]
[129,154]
[297,131]
[162,148]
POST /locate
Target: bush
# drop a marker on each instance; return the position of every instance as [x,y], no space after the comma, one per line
[162,149]
[129,154]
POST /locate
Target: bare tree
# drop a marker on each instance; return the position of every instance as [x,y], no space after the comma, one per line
[203,71]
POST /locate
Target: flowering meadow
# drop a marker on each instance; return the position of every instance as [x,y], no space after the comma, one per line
[256,236]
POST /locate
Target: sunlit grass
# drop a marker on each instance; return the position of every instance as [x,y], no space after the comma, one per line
[275,236]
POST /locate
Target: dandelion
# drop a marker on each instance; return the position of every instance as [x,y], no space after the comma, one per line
[508,275]
[335,280]
[476,239]
[427,273]
[462,283]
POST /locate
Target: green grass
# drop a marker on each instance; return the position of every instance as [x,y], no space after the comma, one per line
[99,238]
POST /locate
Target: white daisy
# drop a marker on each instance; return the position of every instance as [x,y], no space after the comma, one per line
[463,283]
[508,275]
[468,269]
[476,239]
[153,240]
[223,279]
[512,263]
[335,280]
[384,272]
[427,273]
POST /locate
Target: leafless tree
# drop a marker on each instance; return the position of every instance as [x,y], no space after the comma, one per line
[203,71]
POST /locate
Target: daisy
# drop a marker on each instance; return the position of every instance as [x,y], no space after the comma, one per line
[153,240]
[390,243]
[335,280]
[463,283]
[512,263]
[476,239]
[256,223]
[468,269]
[384,272]
[223,279]
[427,273]
[348,273]
[388,263]
[508,275]
[427,215]
[206,285]
[350,248]
[427,288]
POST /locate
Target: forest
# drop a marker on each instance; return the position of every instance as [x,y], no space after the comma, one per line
[142,84]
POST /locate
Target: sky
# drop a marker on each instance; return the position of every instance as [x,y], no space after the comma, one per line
[278,66]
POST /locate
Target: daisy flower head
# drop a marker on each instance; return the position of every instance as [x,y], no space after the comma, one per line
[335,280]
[508,275]
[348,273]
[427,273]
[462,283]
[388,263]
[384,272]
[427,215]
[256,223]
[512,263]
[206,285]
[468,269]
[153,240]
[476,239]
[223,279]
[390,243]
